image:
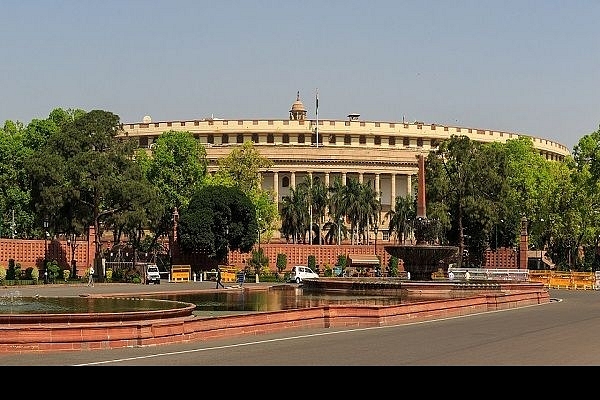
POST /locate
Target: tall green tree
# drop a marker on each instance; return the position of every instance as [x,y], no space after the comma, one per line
[451,178]
[177,168]
[79,176]
[217,220]
[242,168]
[18,219]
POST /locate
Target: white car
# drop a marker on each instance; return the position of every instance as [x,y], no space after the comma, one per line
[300,272]
[152,274]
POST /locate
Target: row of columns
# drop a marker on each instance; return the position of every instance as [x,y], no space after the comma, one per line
[344,177]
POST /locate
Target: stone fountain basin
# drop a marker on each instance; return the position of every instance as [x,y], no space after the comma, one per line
[421,260]
[39,309]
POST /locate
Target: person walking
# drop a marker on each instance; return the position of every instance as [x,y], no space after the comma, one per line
[219,278]
[91,277]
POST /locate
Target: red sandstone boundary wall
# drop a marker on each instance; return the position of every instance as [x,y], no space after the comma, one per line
[30,253]
[27,338]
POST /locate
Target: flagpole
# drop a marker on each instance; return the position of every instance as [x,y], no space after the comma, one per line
[317,116]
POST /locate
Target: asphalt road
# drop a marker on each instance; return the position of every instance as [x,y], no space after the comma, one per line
[561,333]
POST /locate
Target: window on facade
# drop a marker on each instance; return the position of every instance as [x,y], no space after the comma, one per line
[285,182]
[378,140]
[406,141]
[362,139]
[286,138]
[313,138]
[225,138]
[332,139]
[420,142]
[143,142]
[392,141]
[301,138]
[240,138]
[255,138]
[270,138]
[210,139]
[347,139]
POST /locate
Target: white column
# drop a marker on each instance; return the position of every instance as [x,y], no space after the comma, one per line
[276,186]
[393,193]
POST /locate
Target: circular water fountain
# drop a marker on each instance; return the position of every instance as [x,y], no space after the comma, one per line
[421,260]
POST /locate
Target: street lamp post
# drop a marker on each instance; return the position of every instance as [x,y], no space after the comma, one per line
[340,230]
[377,267]
[259,223]
[45,248]
[72,244]
[376,229]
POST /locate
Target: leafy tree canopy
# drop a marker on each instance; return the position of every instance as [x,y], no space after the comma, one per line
[218,219]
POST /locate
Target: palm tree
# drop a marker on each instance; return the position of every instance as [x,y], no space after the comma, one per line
[336,210]
[350,202]
[293,214]
[335,229]
[401,216]
[315,197]
[320,200]
[370,206]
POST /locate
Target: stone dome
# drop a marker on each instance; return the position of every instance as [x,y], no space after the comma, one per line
[297,112]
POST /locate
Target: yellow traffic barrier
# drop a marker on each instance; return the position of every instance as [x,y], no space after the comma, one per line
[181,273]
[228,273]
[565,279]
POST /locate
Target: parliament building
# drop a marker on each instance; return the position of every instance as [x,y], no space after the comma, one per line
[382,153]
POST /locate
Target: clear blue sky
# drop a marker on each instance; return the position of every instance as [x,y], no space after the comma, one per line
[525,66]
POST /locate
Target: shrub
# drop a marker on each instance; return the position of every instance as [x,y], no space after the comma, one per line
[342,260]
[312,263]
[258,261]
[53,270]
[66,274]
[281,262]
[2,274]
[32,273]
[393,266]
[10,272]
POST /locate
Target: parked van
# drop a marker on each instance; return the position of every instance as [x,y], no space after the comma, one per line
[300,272]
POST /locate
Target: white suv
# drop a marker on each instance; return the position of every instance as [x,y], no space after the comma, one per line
[300,272]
